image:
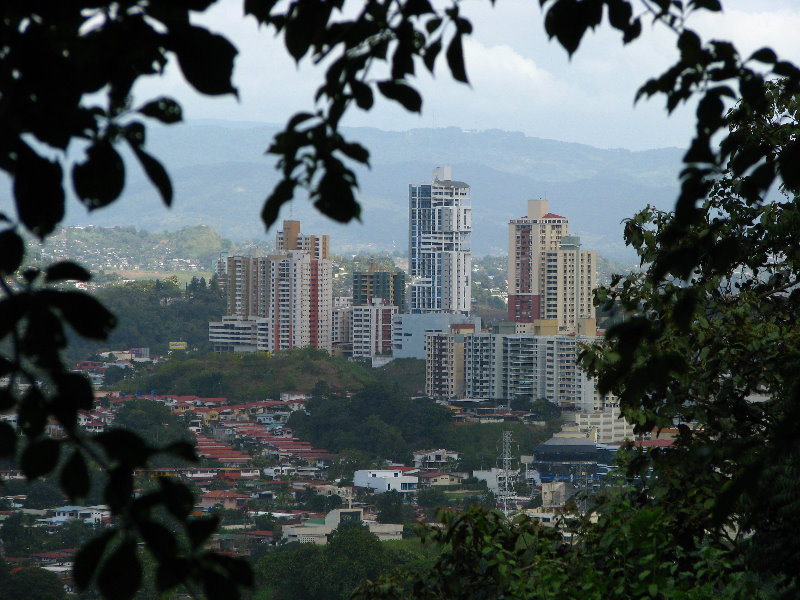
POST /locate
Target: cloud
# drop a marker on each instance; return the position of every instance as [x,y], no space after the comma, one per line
[519,79]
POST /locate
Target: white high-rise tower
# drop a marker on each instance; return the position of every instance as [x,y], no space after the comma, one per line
[440,260]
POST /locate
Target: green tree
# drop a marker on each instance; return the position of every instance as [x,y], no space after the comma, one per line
[392,508]
[43,493]
[432,497]
[20,537]
[713,324]
[32,583]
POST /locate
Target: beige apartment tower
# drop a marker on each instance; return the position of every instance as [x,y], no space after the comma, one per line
[549,276]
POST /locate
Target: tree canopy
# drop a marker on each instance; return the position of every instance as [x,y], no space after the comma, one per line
[710,323]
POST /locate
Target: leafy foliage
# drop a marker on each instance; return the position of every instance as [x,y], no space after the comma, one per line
[629,554]
[377,420]
[256,376]
[154,313]
[332,572]
[716,351]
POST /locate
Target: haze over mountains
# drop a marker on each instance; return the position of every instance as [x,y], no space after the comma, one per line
[221,177]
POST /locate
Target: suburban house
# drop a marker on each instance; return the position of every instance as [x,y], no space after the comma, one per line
[386,480]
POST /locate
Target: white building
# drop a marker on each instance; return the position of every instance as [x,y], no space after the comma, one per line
[408,331]
[440,260]
[386,480]
[435,459]
[319,534]
[372,329]
[605,426]
[495,478]
[507,366]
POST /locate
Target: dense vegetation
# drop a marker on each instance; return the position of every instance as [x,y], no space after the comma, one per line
[256,376]
[331,572]
[380,422]
[153,313]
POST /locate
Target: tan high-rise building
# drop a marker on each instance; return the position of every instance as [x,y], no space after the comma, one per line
[549,276]
[289,294]
[290,238]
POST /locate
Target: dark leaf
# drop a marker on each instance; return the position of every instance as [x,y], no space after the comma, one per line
[632,32]
[164,109]
[431,52]
[74,478]
[362,94]
[562,22]
[38,193]
[99,180]
[356,152]
[184,450]
[39,458]
[8,439]
[710,5]
[7,400]
[12,250]
[119,488]
[135,134]
[764,55]
[124,446]
[177,497]
[789,166]
[76,388]
[282,193]
[455,60]
[171,573]
[120,574]
[63,271]
[32,414]
[155,173]
[206,60]
[199,530]
[160,540]
[83,312]
[402,93]
[88,558]
[786,69]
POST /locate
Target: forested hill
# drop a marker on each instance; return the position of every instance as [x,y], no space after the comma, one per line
[152,313]
[244,377]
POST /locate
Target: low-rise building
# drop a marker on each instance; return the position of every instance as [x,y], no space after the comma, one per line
[386,480]
[318,533]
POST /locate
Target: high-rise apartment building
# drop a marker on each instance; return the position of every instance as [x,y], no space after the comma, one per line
[290,238]
[508,366]
[440,260]
[388,285]
[549,276]
[280,301]
[444,362]
[372,329]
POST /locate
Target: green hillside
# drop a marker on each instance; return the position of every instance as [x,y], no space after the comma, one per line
[246,377]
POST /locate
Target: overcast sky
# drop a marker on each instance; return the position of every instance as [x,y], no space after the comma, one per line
[520,81]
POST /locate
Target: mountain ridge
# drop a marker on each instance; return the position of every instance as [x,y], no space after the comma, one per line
[221,177]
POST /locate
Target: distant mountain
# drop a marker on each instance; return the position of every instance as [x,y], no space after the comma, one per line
[221,177]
